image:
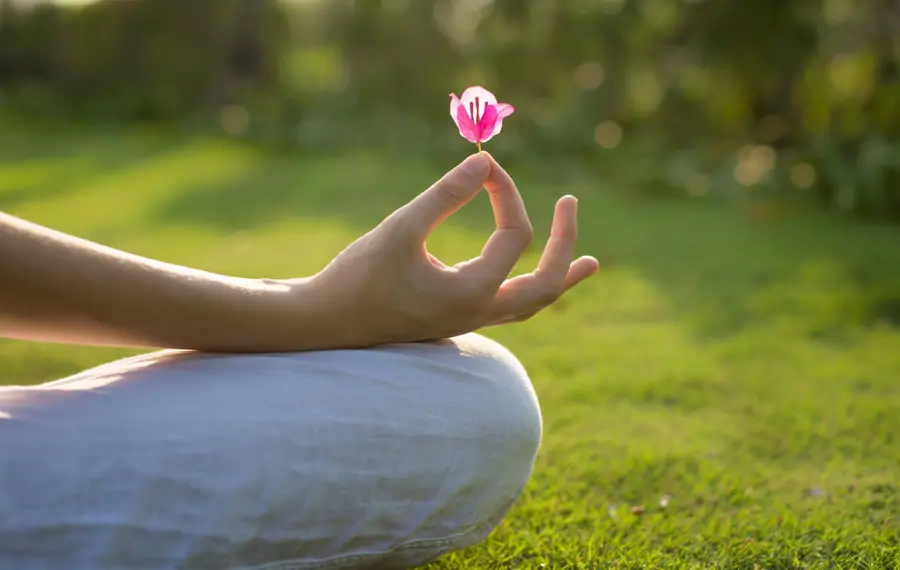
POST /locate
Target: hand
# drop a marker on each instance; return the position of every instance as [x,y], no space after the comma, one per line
[386,287]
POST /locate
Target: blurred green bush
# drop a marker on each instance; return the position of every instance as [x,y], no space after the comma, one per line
[771,99]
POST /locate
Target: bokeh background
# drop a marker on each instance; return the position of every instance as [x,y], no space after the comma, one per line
[791,99]
[724,394]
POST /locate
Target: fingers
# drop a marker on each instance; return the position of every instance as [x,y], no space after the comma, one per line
[561,246]
[579,270]
[556,272]
[524,296]
[509,209]
[447,195]
[513,231]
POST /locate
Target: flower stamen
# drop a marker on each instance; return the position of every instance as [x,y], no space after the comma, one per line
[477,116]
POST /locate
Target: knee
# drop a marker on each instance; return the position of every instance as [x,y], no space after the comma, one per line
[509,416]
[501,423]
[491,432]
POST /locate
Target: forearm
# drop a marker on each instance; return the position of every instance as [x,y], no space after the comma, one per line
[57,288]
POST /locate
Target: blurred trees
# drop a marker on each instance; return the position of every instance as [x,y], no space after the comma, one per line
[137,59]
[772,95]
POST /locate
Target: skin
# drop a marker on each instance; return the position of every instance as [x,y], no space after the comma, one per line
[385,287]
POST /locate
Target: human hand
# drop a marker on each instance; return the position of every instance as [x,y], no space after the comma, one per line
[386,287]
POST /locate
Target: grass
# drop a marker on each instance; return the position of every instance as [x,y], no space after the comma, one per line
[726,394]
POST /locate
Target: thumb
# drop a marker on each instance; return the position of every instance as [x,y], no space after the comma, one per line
[449,194]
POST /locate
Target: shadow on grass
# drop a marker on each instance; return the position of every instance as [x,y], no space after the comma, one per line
[37,167]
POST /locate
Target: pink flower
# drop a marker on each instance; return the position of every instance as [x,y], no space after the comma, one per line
[478,114]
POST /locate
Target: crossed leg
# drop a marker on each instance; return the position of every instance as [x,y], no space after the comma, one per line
[387,457]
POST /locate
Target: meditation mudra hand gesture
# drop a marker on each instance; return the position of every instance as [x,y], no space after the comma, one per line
[393,290]
[384,288]
[388,455]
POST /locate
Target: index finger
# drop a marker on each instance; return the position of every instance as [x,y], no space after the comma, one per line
[513,233]
[447,195]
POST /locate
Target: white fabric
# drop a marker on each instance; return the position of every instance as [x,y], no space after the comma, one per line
[383,458]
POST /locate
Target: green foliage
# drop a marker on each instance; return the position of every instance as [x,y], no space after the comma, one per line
[135,59]
[816,81]
[736,378]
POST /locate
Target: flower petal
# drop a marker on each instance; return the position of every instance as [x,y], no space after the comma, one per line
[484,97]
[503,110]
[487,123]
[454,104]
[467,127]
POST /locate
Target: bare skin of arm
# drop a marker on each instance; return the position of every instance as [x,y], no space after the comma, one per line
[58,288]
[385,287]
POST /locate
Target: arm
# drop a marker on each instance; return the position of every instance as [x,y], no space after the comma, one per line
[58,288]
[384,288]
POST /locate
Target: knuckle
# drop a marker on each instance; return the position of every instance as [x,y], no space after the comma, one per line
[569,233]
[524,235]
[468,304]
[548,296]
[448,194]
[470,294]
[528,232]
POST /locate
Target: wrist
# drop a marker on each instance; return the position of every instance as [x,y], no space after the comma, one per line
[290,315]
[318,319]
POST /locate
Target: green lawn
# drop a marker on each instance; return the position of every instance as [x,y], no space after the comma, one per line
[737,380]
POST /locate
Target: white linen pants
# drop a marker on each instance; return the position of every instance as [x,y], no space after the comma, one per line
[381,458]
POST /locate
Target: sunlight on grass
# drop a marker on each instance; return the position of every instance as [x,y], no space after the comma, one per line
[117,200]
[278,250]
[745,372]
[35,172]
